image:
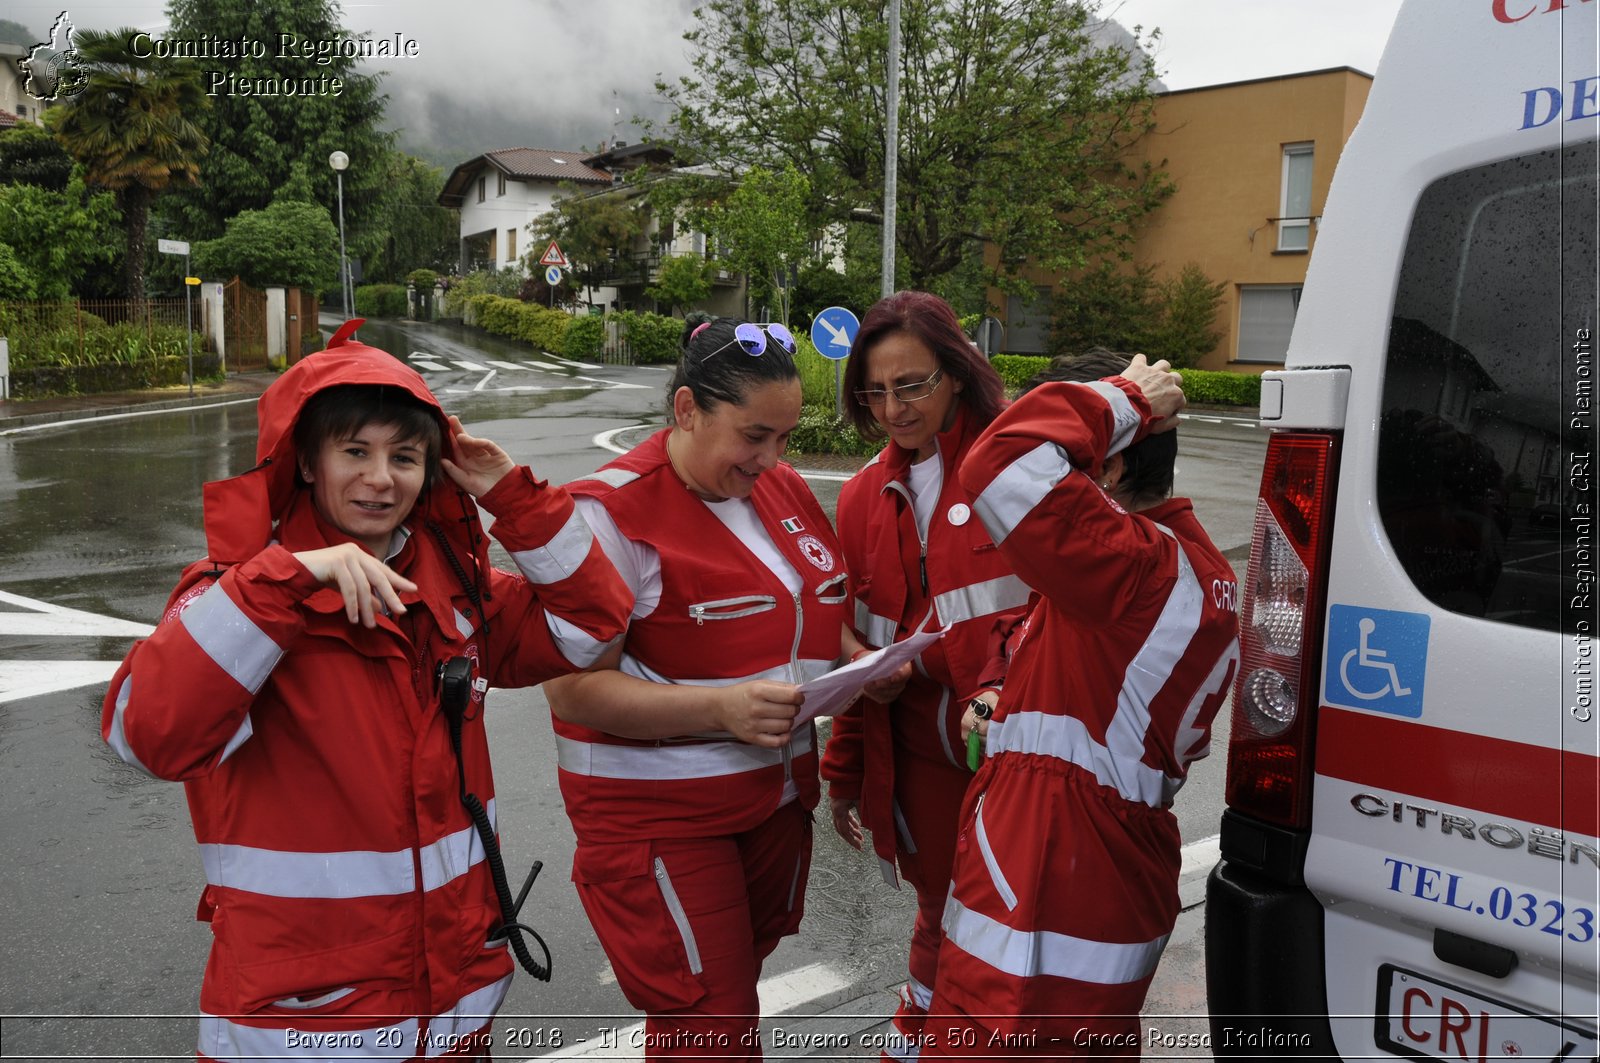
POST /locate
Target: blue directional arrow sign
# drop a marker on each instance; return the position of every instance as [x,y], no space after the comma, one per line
[833,331]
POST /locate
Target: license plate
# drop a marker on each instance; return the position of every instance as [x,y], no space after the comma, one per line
[1425,1018]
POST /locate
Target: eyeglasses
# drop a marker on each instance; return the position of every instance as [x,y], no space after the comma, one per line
[752,339]
[904,393]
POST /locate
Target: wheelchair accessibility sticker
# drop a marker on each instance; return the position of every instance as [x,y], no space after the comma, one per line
[1377,659]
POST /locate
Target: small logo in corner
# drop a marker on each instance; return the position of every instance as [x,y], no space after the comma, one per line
[53,67]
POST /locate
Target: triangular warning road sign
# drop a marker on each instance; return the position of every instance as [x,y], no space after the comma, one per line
[553,256]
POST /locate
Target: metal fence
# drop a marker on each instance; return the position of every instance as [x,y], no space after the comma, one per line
[65,326]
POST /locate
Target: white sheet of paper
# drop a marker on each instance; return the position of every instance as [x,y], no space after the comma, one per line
[831,694]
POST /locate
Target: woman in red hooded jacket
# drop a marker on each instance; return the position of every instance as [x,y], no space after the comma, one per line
[293,686]
[915,551]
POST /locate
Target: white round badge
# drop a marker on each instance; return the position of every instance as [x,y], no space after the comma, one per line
[959,514]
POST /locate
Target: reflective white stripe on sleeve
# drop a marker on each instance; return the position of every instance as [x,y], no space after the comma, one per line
[1124,418]
[1030,953]
[672,761]
[981,599]
[450,1030]
[575,644]
[230,638]
[230,1042]
[115,737]
[334,876]
[877,630]
[810,668]
[453,855]
[559,558]
[1011,496]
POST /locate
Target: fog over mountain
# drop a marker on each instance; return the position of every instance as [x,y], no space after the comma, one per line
[492,73]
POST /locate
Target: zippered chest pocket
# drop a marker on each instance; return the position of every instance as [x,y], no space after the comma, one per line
[731,608]
[834,591]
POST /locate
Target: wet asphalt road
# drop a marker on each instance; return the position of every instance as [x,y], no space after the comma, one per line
[101,875]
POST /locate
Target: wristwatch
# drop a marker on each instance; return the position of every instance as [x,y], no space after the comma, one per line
[981,709]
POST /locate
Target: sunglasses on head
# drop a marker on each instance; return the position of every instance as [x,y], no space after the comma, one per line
[752,339]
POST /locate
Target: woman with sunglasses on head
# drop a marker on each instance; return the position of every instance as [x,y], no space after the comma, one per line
[689,785]
[897,763]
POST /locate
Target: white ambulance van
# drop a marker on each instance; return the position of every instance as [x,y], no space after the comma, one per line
[1410,862]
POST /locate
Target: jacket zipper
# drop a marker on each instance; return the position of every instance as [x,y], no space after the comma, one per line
[724,608]
[794,676]
[1001,886]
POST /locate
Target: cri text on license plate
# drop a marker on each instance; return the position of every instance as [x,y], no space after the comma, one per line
[1425,1018]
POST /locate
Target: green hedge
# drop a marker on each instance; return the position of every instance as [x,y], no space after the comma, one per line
[586,336]
[820,432]
[44,381]
[1203,387]
[653,338]
[100,345]
[381,300]
[546,329]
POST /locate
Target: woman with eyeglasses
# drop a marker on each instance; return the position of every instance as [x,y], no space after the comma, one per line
[915,551]
[689,786]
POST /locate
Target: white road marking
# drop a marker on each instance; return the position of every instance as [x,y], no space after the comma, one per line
[32,679]
[614,385]
[572,362]
[471,367]
[509,365]
[42,618]
[487,377]
[780,994]
[122,416]
[545,365]
[432,367]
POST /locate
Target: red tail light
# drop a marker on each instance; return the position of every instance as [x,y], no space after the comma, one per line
[1280,631]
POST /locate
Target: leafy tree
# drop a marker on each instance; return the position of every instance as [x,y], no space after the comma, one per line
[761,231]
[683,281]
[16,283]
[408,229]
[1105,307]
[595,231]
[58,238]
[291,243]
[1015,121]
[132,129]
[31,156]
[1189,310]
[257,137]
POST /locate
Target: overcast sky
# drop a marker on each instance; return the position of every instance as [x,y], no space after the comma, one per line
[571,73]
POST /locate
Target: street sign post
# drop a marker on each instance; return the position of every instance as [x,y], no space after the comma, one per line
[181,247]
[832,332]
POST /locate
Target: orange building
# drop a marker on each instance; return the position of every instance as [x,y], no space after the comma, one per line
[1252,162]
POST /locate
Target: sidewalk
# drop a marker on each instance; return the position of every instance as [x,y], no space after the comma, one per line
[21,413]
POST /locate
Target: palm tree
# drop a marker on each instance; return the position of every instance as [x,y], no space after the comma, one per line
[133,130]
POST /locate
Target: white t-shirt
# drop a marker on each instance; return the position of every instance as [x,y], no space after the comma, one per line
[927,478]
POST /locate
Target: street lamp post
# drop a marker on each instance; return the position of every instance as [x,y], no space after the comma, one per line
[340,162]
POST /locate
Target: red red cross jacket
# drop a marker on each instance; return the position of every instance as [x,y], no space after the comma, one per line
[1116,677]
[723,618]
[969,585]
[345,882]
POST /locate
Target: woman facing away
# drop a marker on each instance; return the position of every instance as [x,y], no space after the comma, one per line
[916,553]
[1065,886]
[688,782]
[340,790]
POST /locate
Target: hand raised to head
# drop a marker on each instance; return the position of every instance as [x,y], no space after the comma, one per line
[479,464]
[1162,387]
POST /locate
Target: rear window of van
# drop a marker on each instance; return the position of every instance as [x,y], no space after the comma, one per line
[1486,464]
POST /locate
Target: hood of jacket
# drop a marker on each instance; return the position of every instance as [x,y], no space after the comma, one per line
[242,512]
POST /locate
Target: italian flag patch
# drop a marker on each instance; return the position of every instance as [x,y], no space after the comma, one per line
[793,526]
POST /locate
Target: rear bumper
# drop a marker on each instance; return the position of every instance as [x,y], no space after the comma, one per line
[1264,968]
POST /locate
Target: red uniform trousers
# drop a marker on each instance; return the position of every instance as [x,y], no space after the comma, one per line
[686,923]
